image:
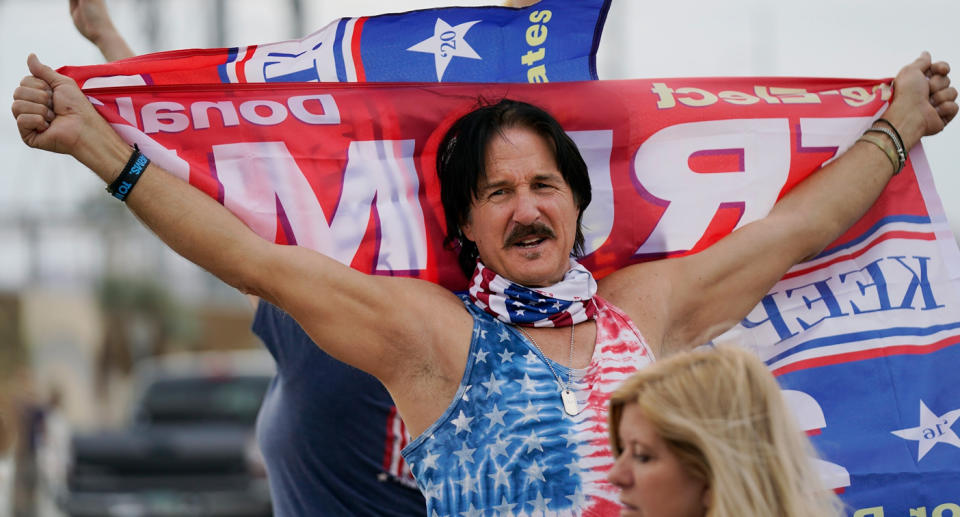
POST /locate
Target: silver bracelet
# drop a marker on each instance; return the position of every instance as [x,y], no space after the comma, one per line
[901,153]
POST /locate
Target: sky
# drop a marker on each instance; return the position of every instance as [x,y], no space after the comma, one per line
[642,39]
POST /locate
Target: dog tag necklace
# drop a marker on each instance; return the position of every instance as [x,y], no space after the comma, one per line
[569,398]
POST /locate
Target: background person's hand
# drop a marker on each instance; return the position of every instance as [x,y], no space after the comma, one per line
[91,18]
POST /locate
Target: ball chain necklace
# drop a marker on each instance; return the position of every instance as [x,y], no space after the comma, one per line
[569,398]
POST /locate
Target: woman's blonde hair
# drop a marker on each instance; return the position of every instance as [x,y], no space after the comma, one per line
[721,412]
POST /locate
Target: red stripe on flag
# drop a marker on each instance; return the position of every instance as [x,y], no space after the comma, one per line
[899,234]
[241,73]
[867,354]
[355,49]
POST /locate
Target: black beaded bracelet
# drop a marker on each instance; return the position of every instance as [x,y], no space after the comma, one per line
[123,185]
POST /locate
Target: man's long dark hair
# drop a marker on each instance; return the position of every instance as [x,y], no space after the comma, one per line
[461,160]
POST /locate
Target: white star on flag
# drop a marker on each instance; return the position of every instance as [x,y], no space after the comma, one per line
[504,335]
[932,430]
[531,357]
[506,356]
[473,511]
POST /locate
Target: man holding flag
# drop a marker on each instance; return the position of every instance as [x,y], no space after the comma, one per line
[513,192]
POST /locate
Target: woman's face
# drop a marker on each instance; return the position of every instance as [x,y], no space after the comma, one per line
[652,480]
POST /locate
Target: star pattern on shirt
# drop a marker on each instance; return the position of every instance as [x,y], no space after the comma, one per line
[481,356]
[467,484]
[533,442]
[500,476]
[493,385]
[540,503]
[530,412]
[528,384]
[462,422]
[534,471]
[499,447]
[577,499]
[432,490]
[510,448]
[430,461]
[473,511]
[465,454]
[505,508]
[495,415]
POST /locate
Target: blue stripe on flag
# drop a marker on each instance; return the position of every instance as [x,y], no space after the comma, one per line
[338,53]
[222,69]
[915,219]
[863,336]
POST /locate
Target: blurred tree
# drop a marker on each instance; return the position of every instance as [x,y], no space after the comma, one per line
[140,320]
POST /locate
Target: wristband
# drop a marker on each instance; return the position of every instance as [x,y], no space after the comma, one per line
[123,185]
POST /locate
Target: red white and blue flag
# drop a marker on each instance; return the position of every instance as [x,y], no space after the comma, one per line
[554,40]
[863,337]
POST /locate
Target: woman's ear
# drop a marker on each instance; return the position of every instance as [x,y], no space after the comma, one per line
[706,498]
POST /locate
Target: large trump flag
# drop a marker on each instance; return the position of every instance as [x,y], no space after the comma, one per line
[862,337]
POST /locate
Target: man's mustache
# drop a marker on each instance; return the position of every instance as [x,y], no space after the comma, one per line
[524,231]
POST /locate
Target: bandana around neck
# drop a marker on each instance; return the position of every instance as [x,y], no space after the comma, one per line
[565,303]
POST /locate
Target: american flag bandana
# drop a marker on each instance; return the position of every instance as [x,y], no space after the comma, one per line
[565,303]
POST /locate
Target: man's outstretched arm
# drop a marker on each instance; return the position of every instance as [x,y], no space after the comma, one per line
[373,323]
[690,300]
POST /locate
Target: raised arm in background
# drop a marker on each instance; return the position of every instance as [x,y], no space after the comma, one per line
[91,18]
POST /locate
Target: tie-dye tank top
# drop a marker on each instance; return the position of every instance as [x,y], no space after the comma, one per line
[504,446]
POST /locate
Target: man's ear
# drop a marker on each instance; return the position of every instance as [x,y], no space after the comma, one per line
[467,231]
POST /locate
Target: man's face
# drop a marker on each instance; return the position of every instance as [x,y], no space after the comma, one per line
[524,218]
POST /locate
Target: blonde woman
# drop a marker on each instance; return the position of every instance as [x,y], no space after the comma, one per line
[707,433]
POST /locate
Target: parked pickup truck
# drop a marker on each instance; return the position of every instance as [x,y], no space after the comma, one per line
[188,449]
